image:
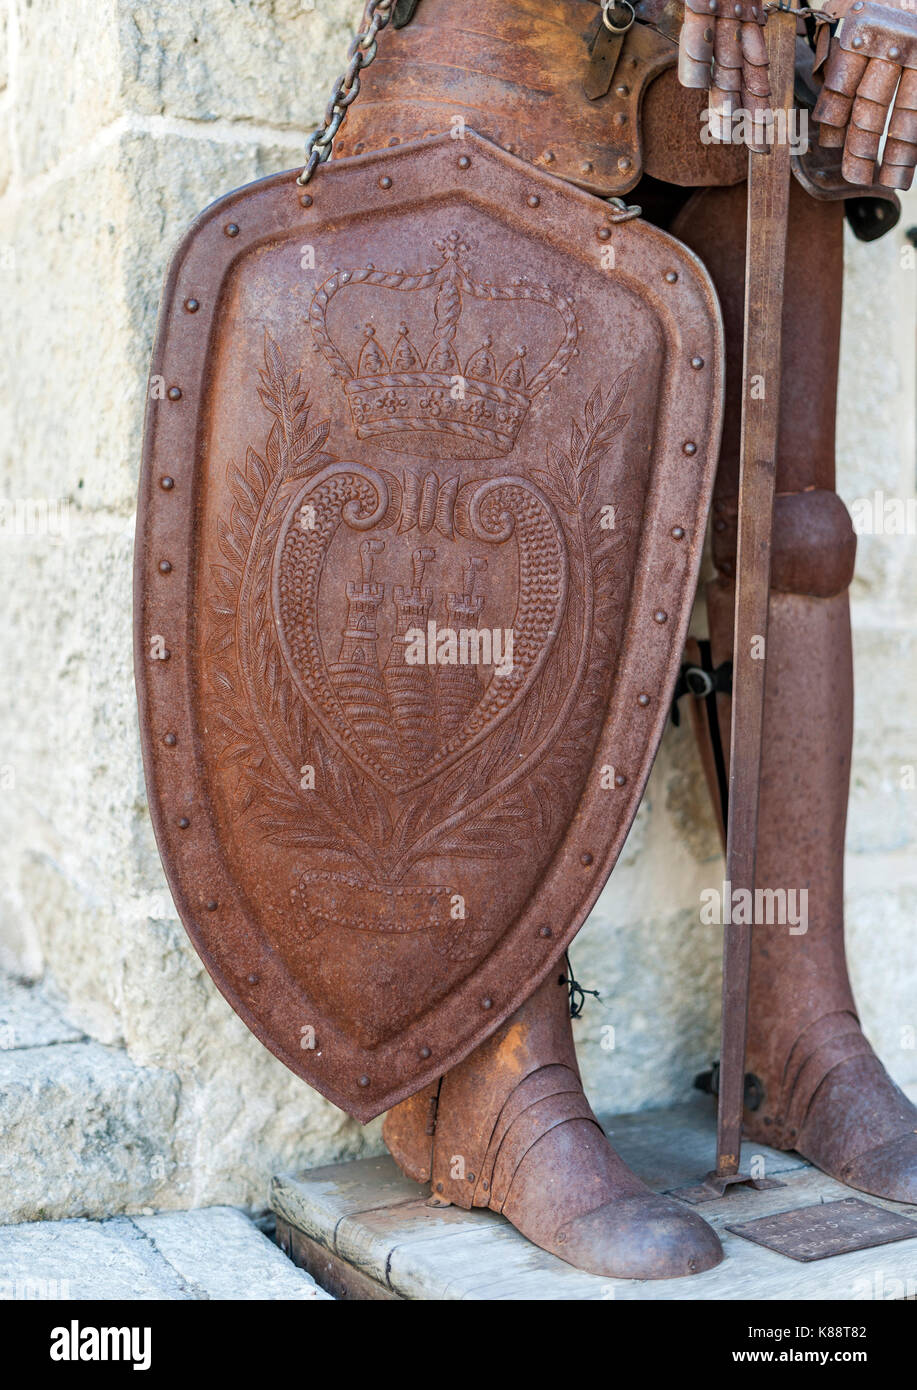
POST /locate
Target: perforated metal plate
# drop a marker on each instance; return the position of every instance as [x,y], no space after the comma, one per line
[830,1228]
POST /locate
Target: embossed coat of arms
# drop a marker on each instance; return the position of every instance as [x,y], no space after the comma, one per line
[423,500]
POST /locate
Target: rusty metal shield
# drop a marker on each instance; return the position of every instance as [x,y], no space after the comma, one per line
[428,459]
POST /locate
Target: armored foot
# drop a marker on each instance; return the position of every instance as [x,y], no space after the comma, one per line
[510,1129]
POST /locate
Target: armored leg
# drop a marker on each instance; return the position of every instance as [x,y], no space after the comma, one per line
[822,1089]
[510,1129]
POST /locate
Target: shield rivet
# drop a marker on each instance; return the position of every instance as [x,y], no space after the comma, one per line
[363,1081]
[471,1177]
[170,740]
[231,229]
[545,931]
[174,393]
[678,532]
[165,567]
[425,1053]
[212,905]
[252,979]
[622,89]
[192,306]
[689,447]
[697,363]
[167,484]
[604,233]
[643,700]
[660,616]
[306,200]
[533,200]
[487,1003]
[894,54]
[183,823]
[585,860]
[620,779]
[385,181]
[671,277]
[624,163]
[464,162]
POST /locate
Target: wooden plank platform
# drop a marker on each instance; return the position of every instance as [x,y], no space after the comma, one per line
[365,1232]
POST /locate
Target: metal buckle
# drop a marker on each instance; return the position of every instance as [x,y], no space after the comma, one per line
[608,6]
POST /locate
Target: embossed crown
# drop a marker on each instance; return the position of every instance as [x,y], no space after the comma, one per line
[429,390]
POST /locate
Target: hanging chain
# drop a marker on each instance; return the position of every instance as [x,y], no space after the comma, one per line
[360,54]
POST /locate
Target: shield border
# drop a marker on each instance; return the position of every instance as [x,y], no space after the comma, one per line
[245,968]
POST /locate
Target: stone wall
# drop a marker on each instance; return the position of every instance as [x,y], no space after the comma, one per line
[118,122]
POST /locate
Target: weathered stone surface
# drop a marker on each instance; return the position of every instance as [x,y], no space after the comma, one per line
[218,1253]
[31,1017]
[196,60]
[215,1253]
[85,1132]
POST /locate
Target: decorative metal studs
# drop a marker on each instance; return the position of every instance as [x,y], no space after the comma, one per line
[678,533]
[212,905]
[424,1053]
[585,859]
[487,1003]
[671,277]
[165,567]
[192,306]
[533,200]
[464,161]
[385,182]
[252,979]
[545,931]
[306,200]
[174,393]
[231,229]
[660,616]
[183,823]
[643,700]
[689,448]
[697,363]
[363,1081]
[170,740]
[167,483]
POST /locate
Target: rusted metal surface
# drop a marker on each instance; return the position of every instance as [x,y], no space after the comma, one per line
[823,1090]
[768,219]
[377,860]
[830,1228]
[870,90]
[513,1131]
[515,73]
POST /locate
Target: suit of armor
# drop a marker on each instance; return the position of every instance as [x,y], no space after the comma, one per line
[584,93]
